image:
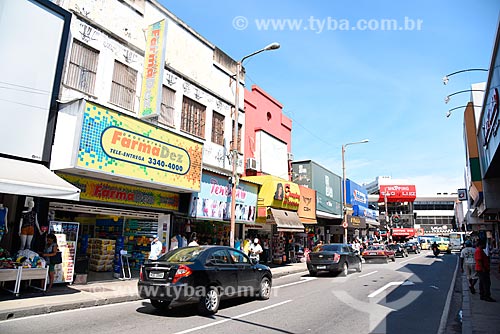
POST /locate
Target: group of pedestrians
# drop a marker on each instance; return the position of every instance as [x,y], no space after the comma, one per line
[476,265]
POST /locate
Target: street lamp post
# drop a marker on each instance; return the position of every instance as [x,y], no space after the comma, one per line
[234,148]
[447,77]
[448,97]
[344,202]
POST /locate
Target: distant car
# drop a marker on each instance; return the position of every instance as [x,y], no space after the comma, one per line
[203,275]
[444,247]
[338,258]
[379,252]
[412,247]
[398,249]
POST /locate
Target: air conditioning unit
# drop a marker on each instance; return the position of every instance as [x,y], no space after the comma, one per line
[251,164]
[290,156]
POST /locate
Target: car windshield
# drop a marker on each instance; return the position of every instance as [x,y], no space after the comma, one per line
[376,247]
[186,254]
[328,248]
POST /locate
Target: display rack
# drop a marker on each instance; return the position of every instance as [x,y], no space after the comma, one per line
[137,243]
[278,248]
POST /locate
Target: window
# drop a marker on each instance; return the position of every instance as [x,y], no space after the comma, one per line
[167,113]
[238,257]
[123,86]
[218,128]
[82,67]
[239,135]
[193,117]
[220,257]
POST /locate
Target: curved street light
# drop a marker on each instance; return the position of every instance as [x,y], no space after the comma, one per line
[446,77]
[344,207]
[448,113]
[447,98]
[234,149]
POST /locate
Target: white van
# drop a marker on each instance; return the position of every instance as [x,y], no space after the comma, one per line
[457,240]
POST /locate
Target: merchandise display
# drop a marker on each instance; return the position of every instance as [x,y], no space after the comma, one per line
[278,248]
[102,254]
[67,236]
[137,240]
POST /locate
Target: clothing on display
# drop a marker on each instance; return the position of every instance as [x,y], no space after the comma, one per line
[4,211]
[27,226]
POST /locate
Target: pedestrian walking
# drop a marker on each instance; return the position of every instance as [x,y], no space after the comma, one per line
[468,265]
[255,250]
[156,248]
[483,271]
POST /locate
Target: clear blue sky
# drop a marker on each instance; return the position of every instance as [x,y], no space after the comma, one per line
[340,86]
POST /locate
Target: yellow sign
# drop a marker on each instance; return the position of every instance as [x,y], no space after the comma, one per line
[276,192]
[118,144]
[110,192]
[154,63]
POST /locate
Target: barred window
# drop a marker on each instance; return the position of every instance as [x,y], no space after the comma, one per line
[82,67]
[239,135]
[193,117]
[167,113]
[123,86]
[218,128]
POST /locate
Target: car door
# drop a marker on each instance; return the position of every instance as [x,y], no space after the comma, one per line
[223,270]
[248,275]
[349,253]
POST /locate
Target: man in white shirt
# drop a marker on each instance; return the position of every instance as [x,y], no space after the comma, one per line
[194,242]
[156,248]
[255,250]
[467,264]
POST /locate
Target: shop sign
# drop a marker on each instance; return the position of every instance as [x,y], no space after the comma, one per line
[361,211]
[110,192]
[154,60]
[357,195]
[214,200]
[115,143]
[490,126]
[399,193]
[356,222]
[307,206]
[403,232]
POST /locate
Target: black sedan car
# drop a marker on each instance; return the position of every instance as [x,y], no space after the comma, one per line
[398,249]
[412,247]
[203,275]
[333,258]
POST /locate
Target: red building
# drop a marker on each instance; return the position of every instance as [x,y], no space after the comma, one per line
[268,135]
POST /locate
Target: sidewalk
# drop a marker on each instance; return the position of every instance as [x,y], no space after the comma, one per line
[479,316]
[70,297]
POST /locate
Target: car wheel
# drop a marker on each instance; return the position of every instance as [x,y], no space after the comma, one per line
[313,273]
[345,269]
[360,266]
[160,304]
[209,303]
[265,289]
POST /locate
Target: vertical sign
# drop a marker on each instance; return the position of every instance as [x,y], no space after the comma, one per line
[154,60]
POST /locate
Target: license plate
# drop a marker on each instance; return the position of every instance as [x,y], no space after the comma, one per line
[156,274]
[321,267]
[372,253]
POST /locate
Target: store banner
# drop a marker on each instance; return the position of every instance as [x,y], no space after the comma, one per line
[276,192]
[403,232]
[214,200]
[121,145]
[397,193]
[361,211]
[356,194]
[110,192]
[152,77]
[356,222]
[307,205]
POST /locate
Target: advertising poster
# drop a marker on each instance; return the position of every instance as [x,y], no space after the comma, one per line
[118,144]
[67,236]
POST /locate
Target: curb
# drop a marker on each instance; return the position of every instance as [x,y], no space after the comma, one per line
[466,307]
[46,309]
[446,309]
[289,272]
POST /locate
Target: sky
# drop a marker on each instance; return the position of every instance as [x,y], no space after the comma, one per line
[343,78]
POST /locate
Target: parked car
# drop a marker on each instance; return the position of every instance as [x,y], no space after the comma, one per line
[412,247]
[398,249]
[203,275]
[333,258]
[379,252]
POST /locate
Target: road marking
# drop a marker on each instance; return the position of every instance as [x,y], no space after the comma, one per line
[376,292]
[415,257]
[303,280]
[232,318]
[373,272]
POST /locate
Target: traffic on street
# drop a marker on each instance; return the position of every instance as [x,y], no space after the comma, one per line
[383,298]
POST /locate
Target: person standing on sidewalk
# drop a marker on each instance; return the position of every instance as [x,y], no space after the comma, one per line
[468,264]
[483,271]
[156,248]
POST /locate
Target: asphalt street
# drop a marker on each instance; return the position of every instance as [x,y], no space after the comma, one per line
[406,296]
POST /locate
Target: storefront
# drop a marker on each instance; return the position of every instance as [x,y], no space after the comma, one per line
[371,220]
[134,179]
[307,215]
[210,211]
[278,202]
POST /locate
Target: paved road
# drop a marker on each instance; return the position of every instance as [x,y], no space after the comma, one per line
[407,296]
